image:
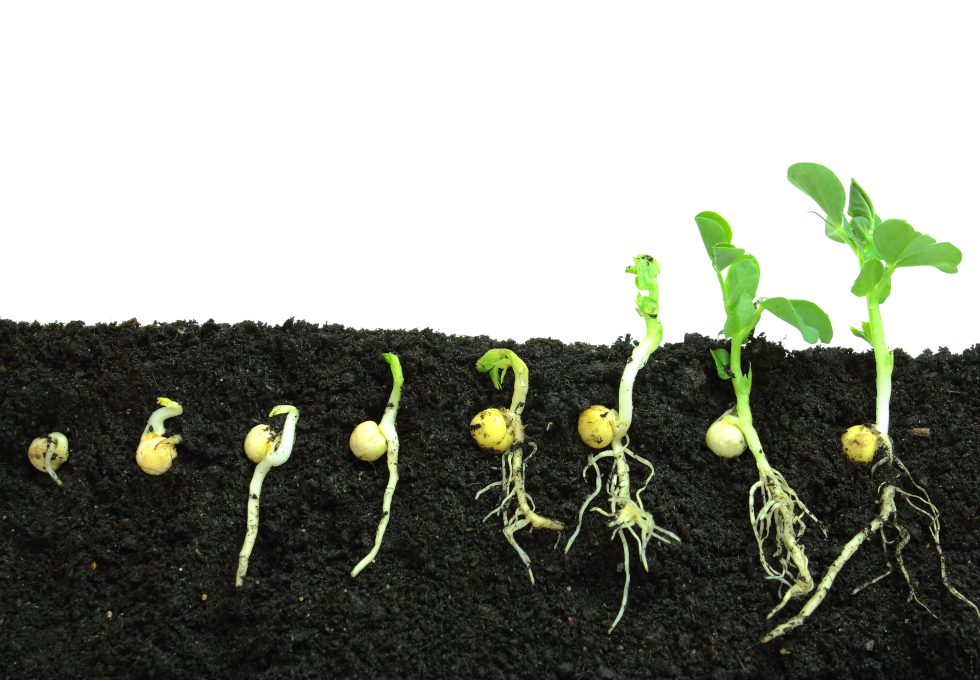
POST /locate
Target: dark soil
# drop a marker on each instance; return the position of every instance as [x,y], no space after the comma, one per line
[447,596]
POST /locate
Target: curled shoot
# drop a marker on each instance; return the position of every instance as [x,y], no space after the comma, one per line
[156,452]
[386,430]
[47,454]
[779,513]
[268,450]
[502,431]
[881,248]
[627,514]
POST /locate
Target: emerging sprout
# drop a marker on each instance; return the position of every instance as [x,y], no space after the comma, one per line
[47,454]
[724,438]
[370,441]
[859,443]
[781,514]
[502,431]
[882,247]
[268,450]
[600,427]
[156,453]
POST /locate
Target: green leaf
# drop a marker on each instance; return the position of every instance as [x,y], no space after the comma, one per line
[822,185]
[803,315]
[722,362]
[871,273]
[646,270]
[900,245]
[742,280]
[860,334]
[714,230]
[859,205]
[742,317]
[724,254]
[885,290]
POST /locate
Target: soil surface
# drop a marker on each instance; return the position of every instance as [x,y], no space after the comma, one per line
[119,574]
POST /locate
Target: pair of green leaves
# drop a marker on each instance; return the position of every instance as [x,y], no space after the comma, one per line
[738,273]
[646,269]
[882,245]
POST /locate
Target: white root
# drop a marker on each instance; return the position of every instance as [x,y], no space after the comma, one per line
[887,517]
[782,515]
[387,427]
[279,455]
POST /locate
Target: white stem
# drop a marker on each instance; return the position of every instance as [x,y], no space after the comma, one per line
[252,523]
[387,427]
[160,416]
[274,459]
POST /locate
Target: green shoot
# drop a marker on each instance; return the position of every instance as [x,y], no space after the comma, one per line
[881,248]
[363,444]
[47,454]
[502,431]
[155,453]
[781,513]
[268,450]
[600,427]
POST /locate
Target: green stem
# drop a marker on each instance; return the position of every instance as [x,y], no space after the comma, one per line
[742,384]
[884,362]
[638,359]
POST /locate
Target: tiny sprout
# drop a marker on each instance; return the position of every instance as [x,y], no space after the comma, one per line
[369,441]
[603,428]
[492,430]
[156,453]
[724,438]
[502,431]
[267,450]
[48,454]
[597,426]
[859,443]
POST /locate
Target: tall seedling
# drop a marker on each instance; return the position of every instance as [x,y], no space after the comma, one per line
[881,248]
[780,513]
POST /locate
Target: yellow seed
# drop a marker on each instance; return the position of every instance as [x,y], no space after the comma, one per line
[259,442]
[491,428]
[724,438]
[859,444]
[597,426]
[39,449]
[156,453]
[367,442]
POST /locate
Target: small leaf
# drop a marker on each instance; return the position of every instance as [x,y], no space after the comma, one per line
[806,317]
[724,254]
[885,290]
[900,245]
[742,318]
[742,280]
[722,361]
[859,205]
[714,230]
[860,334]
[822,185]
[871,273]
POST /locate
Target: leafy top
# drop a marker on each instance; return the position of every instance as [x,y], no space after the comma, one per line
[738,273]
[882,246]
[646,270]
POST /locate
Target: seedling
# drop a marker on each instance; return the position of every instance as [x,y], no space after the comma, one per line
[369,441]
[601,427]
[156,453]
[47,454]
[779,513]
[501,430]
[881,248]
[268,450]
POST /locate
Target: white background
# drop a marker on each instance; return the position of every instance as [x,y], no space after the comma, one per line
[474,168]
